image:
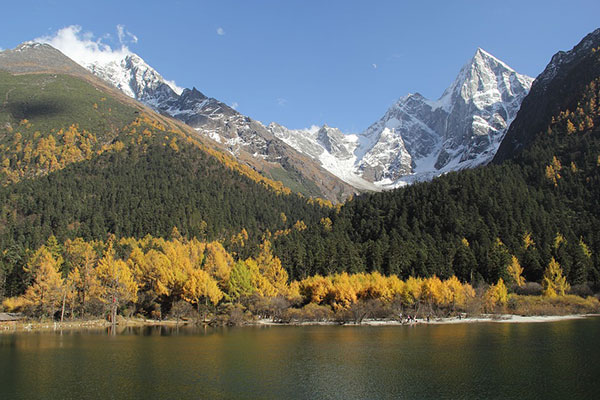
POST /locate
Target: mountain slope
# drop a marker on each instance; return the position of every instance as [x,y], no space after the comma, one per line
[247,139]
[556,89]
[81,159]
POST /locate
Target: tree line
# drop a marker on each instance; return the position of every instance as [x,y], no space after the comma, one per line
[155,278]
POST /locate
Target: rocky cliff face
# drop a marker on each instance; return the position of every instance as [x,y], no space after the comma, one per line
[554,90]
[418,139]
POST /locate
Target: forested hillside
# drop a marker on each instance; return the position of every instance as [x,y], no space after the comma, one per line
[542,203]
[79,161]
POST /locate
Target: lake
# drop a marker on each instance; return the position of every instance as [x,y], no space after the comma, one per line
[554,360]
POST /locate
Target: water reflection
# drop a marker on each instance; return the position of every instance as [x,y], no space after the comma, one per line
[472,361]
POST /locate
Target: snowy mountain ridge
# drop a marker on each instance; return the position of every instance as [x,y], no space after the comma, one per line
[418,139]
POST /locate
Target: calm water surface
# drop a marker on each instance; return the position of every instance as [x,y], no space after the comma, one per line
[559,360]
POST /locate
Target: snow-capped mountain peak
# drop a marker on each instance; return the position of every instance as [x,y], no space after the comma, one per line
[417,138]
[462,129]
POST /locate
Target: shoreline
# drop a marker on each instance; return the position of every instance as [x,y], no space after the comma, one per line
[37,326]
[495,318]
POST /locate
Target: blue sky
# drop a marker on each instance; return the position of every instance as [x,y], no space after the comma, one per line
[308,62]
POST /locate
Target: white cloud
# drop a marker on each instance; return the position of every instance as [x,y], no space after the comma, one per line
[173,85]
[235,105]
[124,35]
[83,47]
[374,66]
[220,31]
[281,101]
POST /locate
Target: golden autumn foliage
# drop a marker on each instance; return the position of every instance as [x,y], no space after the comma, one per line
[515,272]
[200,285]
[553,171]
[270,267]
[31,153]
[496,296]
[341,291]
[554,282]
[149,273]
[46,292]
[116,279]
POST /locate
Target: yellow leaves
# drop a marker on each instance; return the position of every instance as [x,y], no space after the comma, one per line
[584,247]
[465,242]
[552,171]
[173,145]
[570,127]
[459,293]
[14,304]
[218,263]
[553,282]
[45,294]
[412,290]
[321,202]
[326,224]
[315,288]
[35,154]
[341,291]
[558,240]
[496,296]
[301,226]
[270,267]
[375,286]
[200,284]
[116,278]
[528,240]
[434,292]
[118,146]
[515,270]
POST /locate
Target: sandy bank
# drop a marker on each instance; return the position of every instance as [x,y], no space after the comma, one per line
[496,318]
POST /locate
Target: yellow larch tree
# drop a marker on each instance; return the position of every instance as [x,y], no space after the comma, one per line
[82,258]
[496,296]
[270,267]
[45,295]
[119,286]
[515,272]
[553,282]
[218,263]
[342,291]
[201,286]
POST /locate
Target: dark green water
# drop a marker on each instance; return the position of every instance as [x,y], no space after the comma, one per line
[559,360]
